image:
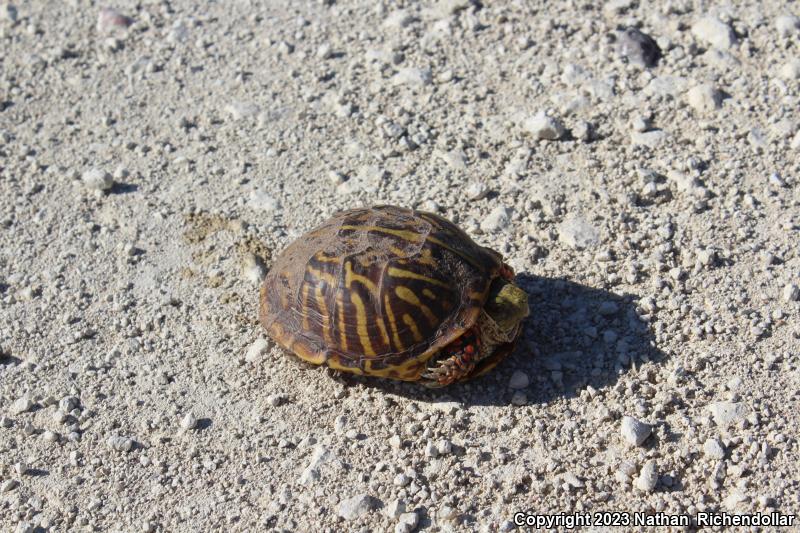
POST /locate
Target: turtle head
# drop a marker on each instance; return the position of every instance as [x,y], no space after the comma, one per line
[507,305]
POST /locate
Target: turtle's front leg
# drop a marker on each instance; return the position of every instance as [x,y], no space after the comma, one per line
[455,362]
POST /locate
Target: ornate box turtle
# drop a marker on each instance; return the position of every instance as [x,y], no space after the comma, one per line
[396,293]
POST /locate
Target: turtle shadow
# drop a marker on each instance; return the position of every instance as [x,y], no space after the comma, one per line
[576,337]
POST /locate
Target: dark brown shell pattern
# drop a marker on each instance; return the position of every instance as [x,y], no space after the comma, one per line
[377,291]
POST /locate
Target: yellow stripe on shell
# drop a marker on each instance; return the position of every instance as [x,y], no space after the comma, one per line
[341,323]
[407,295]
[323,311]
[400,273]
[334,363]
[398,344]
[403,234]
[361,324]
[399,252]
[322,258]
[429,293]
[426,258]
[304,352]
[409,321]
[350,277]
[408,370]
[327,277]
[384,334]
[306,293]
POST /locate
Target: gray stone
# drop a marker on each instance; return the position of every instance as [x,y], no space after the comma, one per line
[787,25]
[240,110]
[578,233]
[357,506]
[20,406]
[651,139]
[648,477]
[519,380]
[542,126]
[497,219]
[728,413]
[634,431]
[406,523]
[8,13]
[713,449]
[395,508]
[713,31]
[255,352]
[791,69]
[638,48]
[97,179]
[791,292]
[120,443]
[415,77]
[704,97]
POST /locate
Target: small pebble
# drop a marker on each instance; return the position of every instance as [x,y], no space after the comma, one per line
[21,405]
[431,450]
[395,508]
[648,477]
[324,51]
[415,77]
[638,48]
[704,98]
[608,308]
[634,431]
[542,126]
[67,404]
[398,19]
[109,19]
[121,172]
[477,191]
[498,218]
[252,268]
[276,400]
[791,293]
[712,448]
[8,12]
[519,398]
[728,413]
[256,351]
[20,468]
[120,443]
[733,499]
[650,139]
[189,421]
[578,233]
[787,25]
[357,506]
[50,436]
[444,447]
[8,485]
[97,179]
[455,159]
[713,31]
[519,380]
[402,480]
[407,523]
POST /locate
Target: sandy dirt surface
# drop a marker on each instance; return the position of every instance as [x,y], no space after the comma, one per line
[155,159]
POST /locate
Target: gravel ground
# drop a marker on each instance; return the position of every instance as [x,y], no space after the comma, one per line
[154,159]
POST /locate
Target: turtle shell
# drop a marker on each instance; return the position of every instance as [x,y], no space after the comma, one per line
[377,291]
